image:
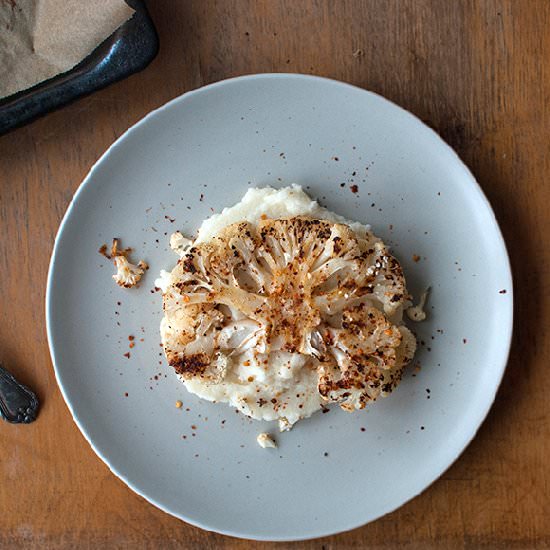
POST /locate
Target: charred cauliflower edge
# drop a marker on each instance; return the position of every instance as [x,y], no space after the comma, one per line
[297,285]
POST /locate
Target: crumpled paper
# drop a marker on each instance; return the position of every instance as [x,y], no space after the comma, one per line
[42,38]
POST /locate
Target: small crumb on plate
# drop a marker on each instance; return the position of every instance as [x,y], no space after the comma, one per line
[265,440]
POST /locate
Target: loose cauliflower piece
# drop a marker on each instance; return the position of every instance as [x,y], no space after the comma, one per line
[295,286]
[417,312]
[128,274]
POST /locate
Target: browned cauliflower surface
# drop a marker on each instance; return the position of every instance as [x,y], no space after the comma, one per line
[295,286]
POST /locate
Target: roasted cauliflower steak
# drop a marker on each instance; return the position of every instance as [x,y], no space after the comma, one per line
[295,285]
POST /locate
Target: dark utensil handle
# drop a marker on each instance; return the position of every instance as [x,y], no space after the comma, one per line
[18,404]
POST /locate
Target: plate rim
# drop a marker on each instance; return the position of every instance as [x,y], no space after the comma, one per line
[507,325]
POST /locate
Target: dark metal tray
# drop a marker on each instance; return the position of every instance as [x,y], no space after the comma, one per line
[128,50]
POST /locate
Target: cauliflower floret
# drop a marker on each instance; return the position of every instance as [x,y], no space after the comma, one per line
[366,360]
[299,286]
[417,312]
[128,274]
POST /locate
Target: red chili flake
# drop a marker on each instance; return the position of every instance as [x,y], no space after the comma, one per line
[354,188]
[193,427]
[131,345]
[127,355]
[416,258]
[131,337]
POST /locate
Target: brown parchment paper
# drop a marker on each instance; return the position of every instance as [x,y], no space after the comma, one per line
[42,38]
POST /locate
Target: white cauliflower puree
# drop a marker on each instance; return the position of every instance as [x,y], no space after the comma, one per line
[280,307]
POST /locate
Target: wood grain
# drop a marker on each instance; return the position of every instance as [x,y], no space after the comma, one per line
[476,71]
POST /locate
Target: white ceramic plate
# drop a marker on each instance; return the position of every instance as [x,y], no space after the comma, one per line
[200,152]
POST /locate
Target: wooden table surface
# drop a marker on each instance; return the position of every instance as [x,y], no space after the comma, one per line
[476,71]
